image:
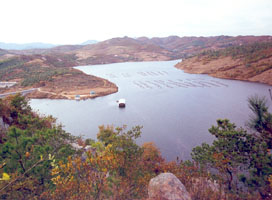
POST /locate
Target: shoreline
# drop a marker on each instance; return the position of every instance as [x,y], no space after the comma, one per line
[99,92]
[224,69]
[67,87]
[106,89]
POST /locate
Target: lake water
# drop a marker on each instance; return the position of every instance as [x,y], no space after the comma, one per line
[176,109]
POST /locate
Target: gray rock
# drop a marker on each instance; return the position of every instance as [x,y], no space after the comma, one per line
[167,186]
[76,146]
[207,184]
[3,125]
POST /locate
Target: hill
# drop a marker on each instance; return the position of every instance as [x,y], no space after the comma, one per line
[53,75]
[122,50]
[188,46]
[145,49]
[251,62]
[3,52]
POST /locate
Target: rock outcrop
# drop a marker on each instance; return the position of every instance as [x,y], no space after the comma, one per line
[167,186]
[202,182]
[3,125]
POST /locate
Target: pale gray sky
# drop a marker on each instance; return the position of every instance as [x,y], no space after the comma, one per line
[75,21]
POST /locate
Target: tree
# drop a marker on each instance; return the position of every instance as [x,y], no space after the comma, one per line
[236,156]
[227,154]
[260,161]
[261,120]
[25,150]
[115,168]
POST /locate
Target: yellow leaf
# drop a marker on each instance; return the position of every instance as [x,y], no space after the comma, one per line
[27,154]
[104,169]
[5,177]
[2,165]
[41,157]
[50,157]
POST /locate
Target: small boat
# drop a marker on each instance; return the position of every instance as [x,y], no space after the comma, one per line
[122,103]
[77,97]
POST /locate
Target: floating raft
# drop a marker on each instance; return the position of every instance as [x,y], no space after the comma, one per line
[122,103]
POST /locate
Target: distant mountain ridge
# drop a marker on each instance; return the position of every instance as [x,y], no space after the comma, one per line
[3,52]
[122,50]
[188,46]
[172,46]
[35,45]
[127,49]
[89,42]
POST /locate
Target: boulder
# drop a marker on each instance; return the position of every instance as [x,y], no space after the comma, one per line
[167,186]
[3,125]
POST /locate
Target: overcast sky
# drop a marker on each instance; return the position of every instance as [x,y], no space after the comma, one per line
[75,21]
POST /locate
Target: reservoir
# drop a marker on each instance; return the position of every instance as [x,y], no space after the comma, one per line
[176,109]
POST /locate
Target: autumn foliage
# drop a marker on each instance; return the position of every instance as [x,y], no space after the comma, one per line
[113,167]
[27,141]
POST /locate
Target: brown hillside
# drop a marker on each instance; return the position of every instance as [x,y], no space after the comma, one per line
[121,50]
[53,76]
[3,52]
[144,49]
[188,46]
[251,62]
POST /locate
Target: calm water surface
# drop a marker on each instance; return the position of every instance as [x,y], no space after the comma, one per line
[175,108]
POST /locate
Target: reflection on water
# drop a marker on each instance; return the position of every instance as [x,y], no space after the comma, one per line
[175,108]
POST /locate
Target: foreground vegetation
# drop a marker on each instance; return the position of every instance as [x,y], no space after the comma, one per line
[39,160]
